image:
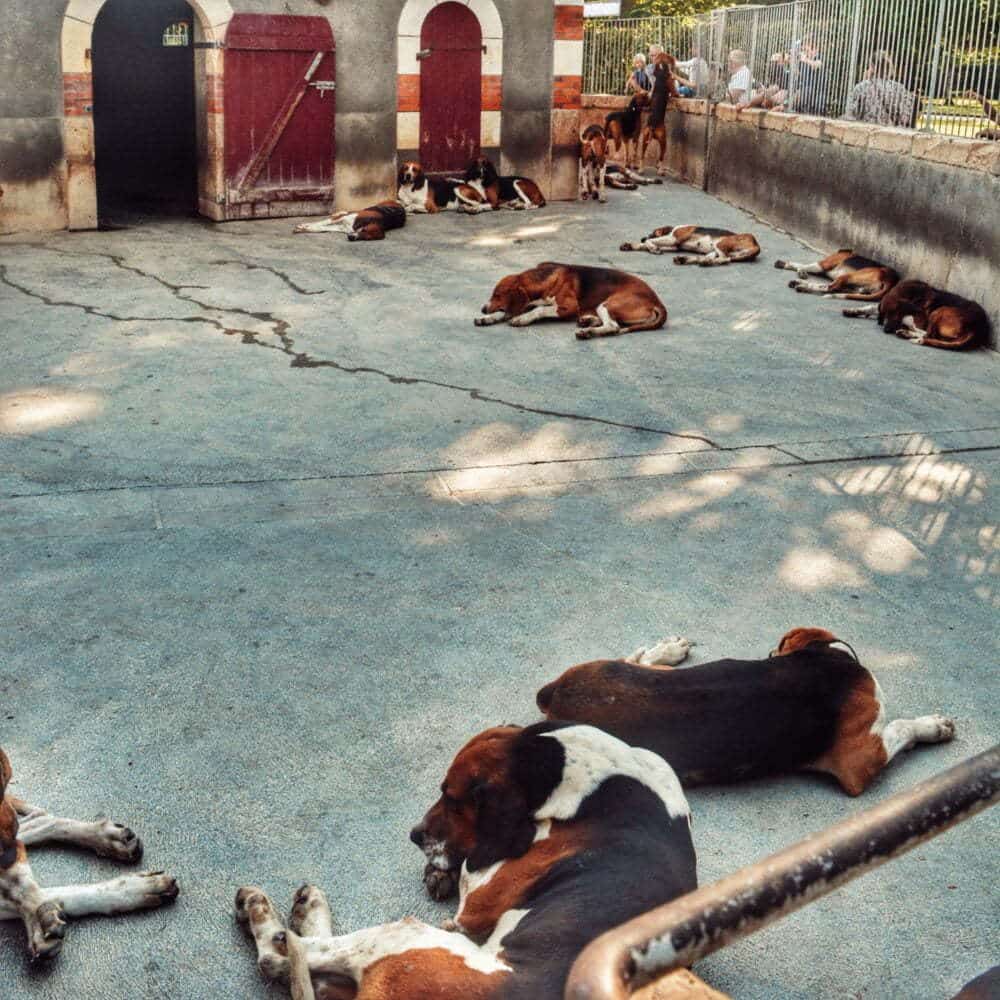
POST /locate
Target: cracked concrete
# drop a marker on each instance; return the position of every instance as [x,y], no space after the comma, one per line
[257,598]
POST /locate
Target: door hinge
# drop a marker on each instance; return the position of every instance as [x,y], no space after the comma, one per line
[209,45]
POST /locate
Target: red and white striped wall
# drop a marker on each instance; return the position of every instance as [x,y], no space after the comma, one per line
[567,57]
[408,45]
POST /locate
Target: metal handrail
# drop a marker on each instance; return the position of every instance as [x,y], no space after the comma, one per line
[679,933]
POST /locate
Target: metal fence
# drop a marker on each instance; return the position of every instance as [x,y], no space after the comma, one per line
[927,64]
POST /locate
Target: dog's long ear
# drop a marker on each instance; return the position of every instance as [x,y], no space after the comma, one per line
[517,300]
[505,827]
[6,772]
[801,638]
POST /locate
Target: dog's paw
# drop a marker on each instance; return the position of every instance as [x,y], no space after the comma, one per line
[601,199]
[520,321]
[626,247]
[252,906]
[666,653]
[440,883]
[117,842]
[310,912]
[681,259]
[46,929]
[945,729]
[780,265]
[584,334]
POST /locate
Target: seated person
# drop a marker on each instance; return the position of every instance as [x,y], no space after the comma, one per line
[637,81]
[879,99]
[772,94]
[740,87]
[692,75]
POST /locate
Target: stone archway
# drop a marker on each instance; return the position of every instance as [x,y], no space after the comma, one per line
[411,22]
[211,20]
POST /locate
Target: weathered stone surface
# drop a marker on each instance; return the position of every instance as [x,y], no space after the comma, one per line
[778,121]
[807,126]
[891,140]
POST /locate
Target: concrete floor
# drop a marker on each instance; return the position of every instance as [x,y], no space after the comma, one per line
[281,529]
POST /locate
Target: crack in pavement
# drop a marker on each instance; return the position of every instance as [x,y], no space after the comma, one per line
[302,359]
[263,267]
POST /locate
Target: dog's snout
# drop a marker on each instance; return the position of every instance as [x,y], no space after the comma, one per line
[418,834]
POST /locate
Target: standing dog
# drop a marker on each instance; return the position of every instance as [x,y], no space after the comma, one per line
[593,163]
[503,192]
[851,277]
[809,706]
[368,224]
[43,911]
[603,301]
[556,834]
[711,247]
[624,128]
[420,194]
[925,315]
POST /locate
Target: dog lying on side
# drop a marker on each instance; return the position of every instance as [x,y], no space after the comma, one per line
[624,128]
[810,706]
[925,315]
[555,833]
[420,194]
[370,223]
[503,192]
[711,247]
[43,911]
[603,301]
[851,277]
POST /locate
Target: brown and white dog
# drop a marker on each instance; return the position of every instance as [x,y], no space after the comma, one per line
[421,194]
[370,223]
[593,163]
[43,911]
[554,834]
[925,315]
[851,277]
[810,706]
[603,301]
[711,247]
[624,129]
[658,132]
[503,192]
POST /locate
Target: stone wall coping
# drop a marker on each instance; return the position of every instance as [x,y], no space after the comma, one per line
[982,155]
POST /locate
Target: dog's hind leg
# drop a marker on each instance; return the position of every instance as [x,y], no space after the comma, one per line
[809,287]
[862,312]
[127,894]
[341,222]
[804,270]
[104,838]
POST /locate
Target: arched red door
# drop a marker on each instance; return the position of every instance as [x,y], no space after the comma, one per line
[451,60]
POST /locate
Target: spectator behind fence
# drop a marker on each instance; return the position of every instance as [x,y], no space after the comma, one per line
[810,95]
[654,51]
[692,75]
[637,81]
[740,87]
[879,99]
[772,94]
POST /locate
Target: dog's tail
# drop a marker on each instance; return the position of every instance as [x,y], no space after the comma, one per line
[972,339]
[654,322]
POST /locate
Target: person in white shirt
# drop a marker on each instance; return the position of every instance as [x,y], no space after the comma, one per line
[654,51]
[692,75]
[741,81]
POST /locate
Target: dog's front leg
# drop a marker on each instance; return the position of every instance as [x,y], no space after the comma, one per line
[490,319]
[104,838]
[863,312]
[665,653]
[546,309]
[601,195]
[21,896]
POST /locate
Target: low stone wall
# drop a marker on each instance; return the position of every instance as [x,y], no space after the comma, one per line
[929,205]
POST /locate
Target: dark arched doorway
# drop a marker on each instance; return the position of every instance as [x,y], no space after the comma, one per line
[144,108]
[451,60]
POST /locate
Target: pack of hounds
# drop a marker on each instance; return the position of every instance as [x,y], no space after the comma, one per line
[549,834]
[607,302]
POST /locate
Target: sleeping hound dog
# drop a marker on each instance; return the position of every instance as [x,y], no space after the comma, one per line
[809,706]
[43,911]
[707,247]
[604,302]
[850,277]
[925,315]
[370,223]
[554,834]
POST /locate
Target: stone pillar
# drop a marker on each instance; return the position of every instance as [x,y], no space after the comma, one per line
[567,86]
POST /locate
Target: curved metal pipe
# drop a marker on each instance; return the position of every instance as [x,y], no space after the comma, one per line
[679,933]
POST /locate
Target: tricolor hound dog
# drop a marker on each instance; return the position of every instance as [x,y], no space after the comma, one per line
[711,247]
[370,223]
[503,192]
[604,302]
[810,706]
[555,834]
[851,277]
[420,194]
[624,128]
[43,911]
[925,315]
[593,163]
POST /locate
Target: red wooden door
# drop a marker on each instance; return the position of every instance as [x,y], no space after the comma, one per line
[280,107]
[451,60]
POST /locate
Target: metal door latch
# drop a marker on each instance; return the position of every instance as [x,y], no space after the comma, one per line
[323,86]
[424,53]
